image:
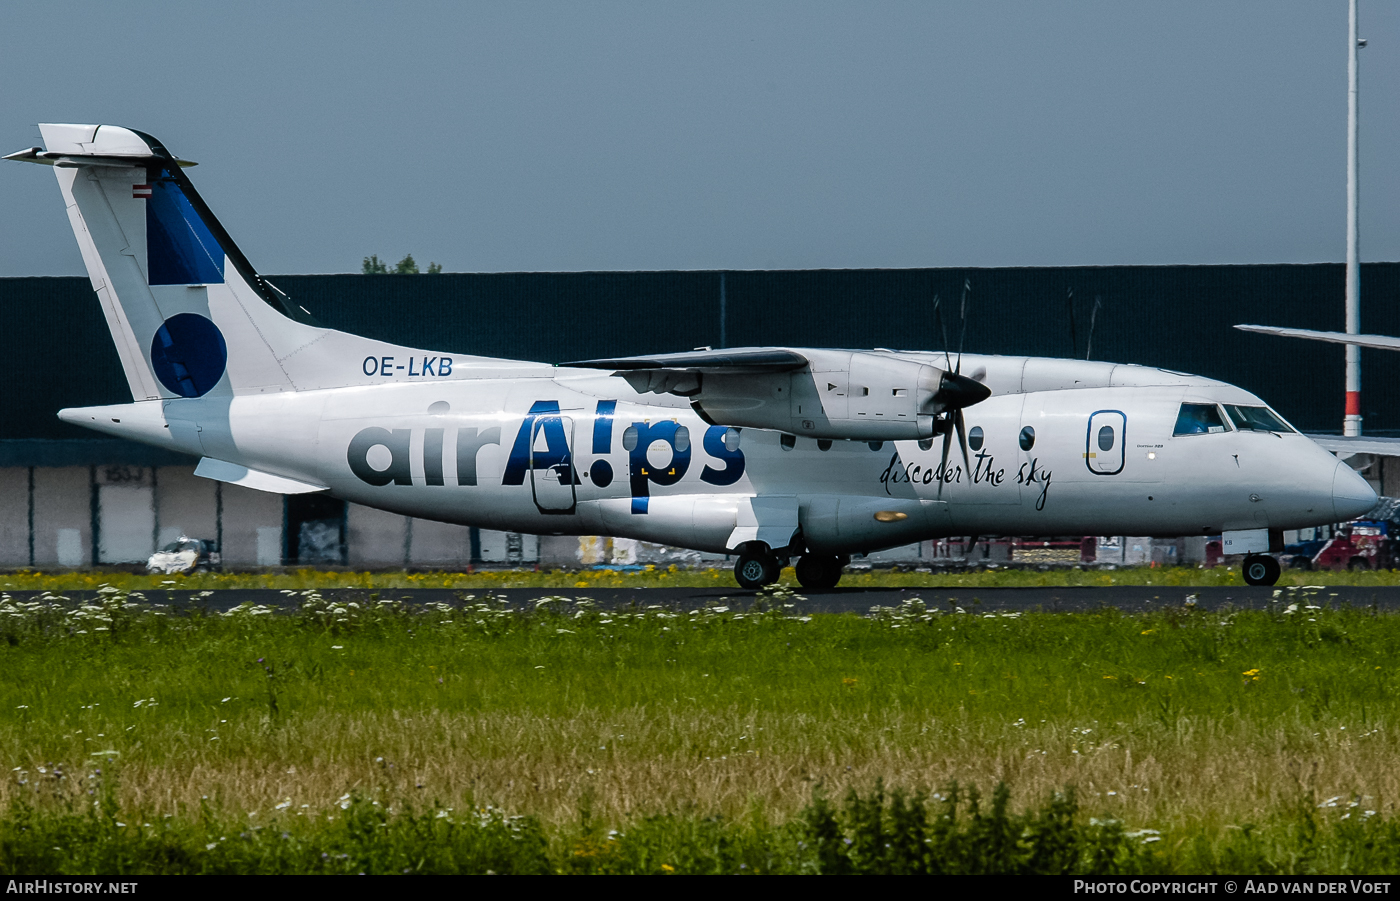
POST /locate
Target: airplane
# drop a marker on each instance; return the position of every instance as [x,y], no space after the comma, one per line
[763,453]
[1343,445]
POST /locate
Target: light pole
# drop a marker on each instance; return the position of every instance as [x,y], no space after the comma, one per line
[1351,423]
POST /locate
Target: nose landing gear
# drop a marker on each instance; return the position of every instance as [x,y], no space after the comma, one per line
[1260,569]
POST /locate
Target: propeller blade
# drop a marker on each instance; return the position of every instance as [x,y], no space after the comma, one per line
[967,289]
[962,441]
[1093,319]
[1073,332]
[943,466]
[938,320]
[971,544]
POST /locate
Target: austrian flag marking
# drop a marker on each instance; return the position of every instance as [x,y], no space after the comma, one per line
[140,190]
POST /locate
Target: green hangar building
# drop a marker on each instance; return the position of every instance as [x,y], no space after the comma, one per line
[70,499]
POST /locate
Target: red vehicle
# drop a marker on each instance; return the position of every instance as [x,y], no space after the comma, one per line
[1361,545]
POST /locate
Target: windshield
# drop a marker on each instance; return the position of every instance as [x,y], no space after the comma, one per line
[1258,419]
[184,544]
[1199,419]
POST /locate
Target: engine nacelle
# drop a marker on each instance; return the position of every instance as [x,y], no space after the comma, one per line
[819,393]
[839,394]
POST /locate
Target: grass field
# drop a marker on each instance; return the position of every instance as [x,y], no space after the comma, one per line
[1191,741]
[652,577]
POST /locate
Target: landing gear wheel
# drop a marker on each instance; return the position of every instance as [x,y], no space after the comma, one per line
[816,571]
[1260,570]
[755,569]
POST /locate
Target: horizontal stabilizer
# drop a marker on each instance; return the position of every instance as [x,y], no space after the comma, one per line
[233,474]
[1382,342]
[53,158]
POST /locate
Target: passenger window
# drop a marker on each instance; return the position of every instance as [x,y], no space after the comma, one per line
[1258,419]
[1199,419]
[1106,438]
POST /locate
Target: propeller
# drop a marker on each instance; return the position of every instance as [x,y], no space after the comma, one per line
[1073,329]
[955,390]
[1073,335]
[1093,320]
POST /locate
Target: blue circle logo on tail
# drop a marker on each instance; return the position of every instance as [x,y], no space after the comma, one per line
[189,355]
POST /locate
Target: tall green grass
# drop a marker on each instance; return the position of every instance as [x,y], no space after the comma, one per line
[1269,733]
[876,833]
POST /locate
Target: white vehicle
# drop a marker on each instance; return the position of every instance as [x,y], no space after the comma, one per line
[184,555]
[765,453]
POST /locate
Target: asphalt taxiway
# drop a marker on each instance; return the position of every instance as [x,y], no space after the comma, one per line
[1127,598]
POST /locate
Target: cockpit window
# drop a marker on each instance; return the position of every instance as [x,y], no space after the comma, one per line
[1199,419]
[1258,419]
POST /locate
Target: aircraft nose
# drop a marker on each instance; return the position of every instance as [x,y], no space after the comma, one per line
[1352,496]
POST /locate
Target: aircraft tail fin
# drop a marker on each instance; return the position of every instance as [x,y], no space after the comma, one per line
[189,315]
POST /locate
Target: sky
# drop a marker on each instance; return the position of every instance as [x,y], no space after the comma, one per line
[497,137]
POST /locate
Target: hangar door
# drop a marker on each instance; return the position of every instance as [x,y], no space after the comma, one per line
[126,514]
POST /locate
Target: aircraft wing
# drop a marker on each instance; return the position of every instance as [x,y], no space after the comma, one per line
[1346,446]
[681,374]
[735,360]
[816,392]
[1383,342]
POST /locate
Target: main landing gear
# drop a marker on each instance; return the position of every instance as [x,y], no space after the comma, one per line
[757,566]
[819,571]
[1261,569]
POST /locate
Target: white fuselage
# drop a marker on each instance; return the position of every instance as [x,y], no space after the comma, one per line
[467,449]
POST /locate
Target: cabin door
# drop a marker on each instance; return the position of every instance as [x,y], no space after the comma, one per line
[552,479]
[1105,442]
